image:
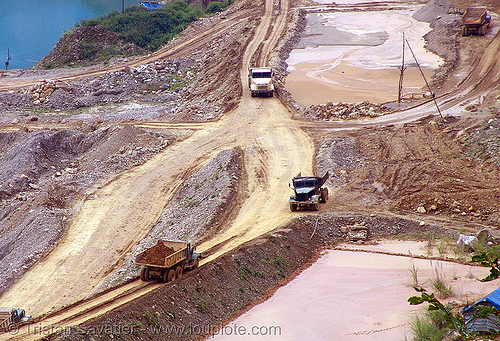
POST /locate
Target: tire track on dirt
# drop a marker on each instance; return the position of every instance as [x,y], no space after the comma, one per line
[121,212]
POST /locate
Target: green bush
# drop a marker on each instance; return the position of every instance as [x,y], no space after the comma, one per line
[216,6]
[146,28]
[426,328]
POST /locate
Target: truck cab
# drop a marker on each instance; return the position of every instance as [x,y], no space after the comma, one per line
[12,316]
[260,81]
[308,191]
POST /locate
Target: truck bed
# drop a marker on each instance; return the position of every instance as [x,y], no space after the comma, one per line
[473,15]
[163,255]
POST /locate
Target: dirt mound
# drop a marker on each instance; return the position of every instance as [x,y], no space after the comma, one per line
[346,111]
[157,254]
[85,45]
[23,164]
[418,168]
[432,10]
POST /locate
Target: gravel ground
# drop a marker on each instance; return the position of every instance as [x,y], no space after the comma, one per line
[43,174]
[197,209]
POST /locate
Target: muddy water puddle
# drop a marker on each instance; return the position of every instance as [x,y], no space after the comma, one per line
[349,295]
[354,57]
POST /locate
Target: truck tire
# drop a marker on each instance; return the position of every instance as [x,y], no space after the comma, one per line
[482,30]
[168,275]
[324,195]
[293,207]
[178,271]
[196,263]
[145,274]
[315,207]
[464,31]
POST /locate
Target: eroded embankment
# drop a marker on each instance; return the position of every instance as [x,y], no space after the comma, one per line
[44,174]
[434,168]
[198,209]
[217,292]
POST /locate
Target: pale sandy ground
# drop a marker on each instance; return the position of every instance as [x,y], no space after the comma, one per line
[360,296]
[341,71]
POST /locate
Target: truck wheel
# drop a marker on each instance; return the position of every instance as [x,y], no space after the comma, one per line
[315,206]
[178,271]
[482,30]
[464,31]
[145,274]
[168,275]
[196,263]
[325,195]
[293,207]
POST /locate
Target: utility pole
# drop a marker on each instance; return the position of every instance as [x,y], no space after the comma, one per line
[7,62]
[402,69]
[425,79]
[123,6]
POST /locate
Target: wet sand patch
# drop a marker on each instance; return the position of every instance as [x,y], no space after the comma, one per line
[348,295]
[355,57]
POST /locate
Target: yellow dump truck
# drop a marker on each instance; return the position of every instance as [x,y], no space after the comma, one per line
[167,260]
[475,20]
[12,317]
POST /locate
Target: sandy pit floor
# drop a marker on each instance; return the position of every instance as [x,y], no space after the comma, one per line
[349,295]
[354,57]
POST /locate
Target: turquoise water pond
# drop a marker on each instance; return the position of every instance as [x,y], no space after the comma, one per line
[29,29]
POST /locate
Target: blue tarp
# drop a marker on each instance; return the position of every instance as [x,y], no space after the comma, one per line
[151,5]
[483,324]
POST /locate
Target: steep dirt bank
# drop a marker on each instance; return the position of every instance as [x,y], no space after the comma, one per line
[203,300]
[43,175]
[198,209]
[427,168]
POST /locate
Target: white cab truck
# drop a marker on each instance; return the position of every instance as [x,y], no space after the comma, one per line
[260,81]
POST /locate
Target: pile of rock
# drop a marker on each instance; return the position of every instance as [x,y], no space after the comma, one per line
[42,91]
[346,111]
[356,233]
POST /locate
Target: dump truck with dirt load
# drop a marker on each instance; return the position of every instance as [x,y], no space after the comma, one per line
[167,260]
[260,81]
[11,318]
[475,20]
[308,192]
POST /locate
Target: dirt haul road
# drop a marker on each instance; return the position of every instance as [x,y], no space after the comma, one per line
[119,214]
